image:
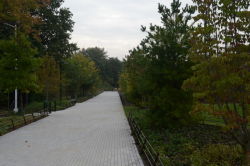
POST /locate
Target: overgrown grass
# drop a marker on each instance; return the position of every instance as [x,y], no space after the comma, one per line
[184,146]
[210,119]
[18,120]
[63,104]
[33,107]
[38,106]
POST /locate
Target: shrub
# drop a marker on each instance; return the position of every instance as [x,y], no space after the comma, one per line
[179,148]
[217,155]
[34,107]
[63,104]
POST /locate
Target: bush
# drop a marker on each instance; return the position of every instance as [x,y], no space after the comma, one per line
[33,107]
[63,104]
[170,108]
[178,148]
[217,155]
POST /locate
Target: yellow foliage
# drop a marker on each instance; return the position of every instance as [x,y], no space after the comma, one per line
[49,77]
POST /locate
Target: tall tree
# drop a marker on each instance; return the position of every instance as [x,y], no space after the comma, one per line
[109,68]
[55,31]
[220,49]
[17,19]
[99,56]
[22,14]
[163,65]
[18,64]
[113,70]
[81,76]
[49,78]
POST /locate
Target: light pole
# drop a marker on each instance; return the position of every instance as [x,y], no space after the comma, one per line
[16,93]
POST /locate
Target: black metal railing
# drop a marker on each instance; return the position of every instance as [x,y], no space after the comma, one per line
[51,106]
[152,157]
[12,124]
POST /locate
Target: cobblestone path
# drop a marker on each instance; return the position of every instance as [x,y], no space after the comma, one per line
[93,133]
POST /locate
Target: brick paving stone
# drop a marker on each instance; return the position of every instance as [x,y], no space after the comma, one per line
[93,133]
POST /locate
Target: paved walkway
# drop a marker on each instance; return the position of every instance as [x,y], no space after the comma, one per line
[93,133]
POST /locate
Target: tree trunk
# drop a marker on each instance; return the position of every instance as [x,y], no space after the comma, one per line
[47,94]
[8,100]
[60,75]
[21,102]
[26,99]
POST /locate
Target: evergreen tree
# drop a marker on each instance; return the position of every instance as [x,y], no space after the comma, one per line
[220,49]
[109,68]
[157,68]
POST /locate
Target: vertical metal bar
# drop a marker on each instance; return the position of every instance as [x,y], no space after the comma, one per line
[44,106]
[24,120]
[13,125]
[156,159]
[49,107]
[55,105]
[33,117]
[143,144]
[132,127]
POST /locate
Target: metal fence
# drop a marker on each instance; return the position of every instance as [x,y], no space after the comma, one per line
[12,124]
[152,157]
[54,106]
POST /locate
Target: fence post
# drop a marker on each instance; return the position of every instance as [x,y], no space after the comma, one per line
[24,120]
[136,133]
[132,127]
[130,117]
[55,105]
[49,110]
[12,122]
[45,109]
[143,144]
[156,159]
[33,116]
[44,105]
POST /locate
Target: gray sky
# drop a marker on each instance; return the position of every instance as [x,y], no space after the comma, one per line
[113,24]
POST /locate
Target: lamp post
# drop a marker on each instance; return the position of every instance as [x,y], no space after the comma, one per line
[16,92]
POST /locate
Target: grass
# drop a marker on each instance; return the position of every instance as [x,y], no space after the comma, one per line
[18,120]
[63,104]
[38,106]
[212,120]
[177,147]
[208,118]
[34,107]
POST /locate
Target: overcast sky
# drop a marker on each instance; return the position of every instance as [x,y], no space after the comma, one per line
[113,24]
